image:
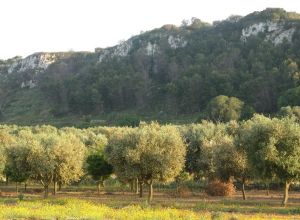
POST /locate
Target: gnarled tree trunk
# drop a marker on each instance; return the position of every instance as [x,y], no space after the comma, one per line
[141,189]
[132,185]
[46,181]
[98,187]
[286,193]
[137,186]
[59,186]
[267,189]
[17,187]
[46,191]
[54,187]
[243,189]
[150,193]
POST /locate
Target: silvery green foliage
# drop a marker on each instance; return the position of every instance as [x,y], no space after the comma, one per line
[150,152]
[273,148]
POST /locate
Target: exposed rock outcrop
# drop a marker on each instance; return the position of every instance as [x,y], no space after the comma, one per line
[275,31]
[39,61]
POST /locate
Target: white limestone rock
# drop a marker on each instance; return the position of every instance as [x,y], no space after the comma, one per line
[124,48]
[34,61]
[104,53]
[121,50]
[151,49]
[176,41]
[279,36]
[257,28]
[28,84]
[275,32]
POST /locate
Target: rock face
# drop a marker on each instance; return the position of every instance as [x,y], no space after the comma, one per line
[151,49]
[176,41]
[275,32]
[278,36]
[37,61]
[123,49]
[28,84]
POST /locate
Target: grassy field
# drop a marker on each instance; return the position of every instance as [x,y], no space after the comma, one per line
[30,107]
[79,203]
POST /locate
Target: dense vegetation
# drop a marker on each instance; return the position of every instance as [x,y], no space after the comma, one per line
[156,80]
[260,149]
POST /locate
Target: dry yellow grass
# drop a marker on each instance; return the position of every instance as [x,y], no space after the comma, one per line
[87,204]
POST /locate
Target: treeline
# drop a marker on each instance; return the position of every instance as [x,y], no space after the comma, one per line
[259,149]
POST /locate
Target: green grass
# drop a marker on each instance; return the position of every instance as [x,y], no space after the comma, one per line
[25,107]
[30,107]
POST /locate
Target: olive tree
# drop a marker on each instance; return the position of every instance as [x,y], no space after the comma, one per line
[41,164]
[120,141]
[67,152]
[93,141]
[231,162]
[53,156]
[202,140]
[273,148]
[160,153]
[17,168]
[5,140]
[150,153]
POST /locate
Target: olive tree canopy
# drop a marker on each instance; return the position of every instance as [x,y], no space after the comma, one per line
[149,153]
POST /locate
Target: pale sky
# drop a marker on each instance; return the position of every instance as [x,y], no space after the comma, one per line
[29,26]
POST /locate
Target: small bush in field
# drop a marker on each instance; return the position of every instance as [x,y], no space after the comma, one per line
[38,190]
[218,188]
[183,192]
[21,197]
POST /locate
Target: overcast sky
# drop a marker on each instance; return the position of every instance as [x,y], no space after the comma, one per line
[29,26]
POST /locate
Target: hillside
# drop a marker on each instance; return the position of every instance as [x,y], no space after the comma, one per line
[170,73]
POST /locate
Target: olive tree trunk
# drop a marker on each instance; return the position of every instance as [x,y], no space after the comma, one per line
[132,185]
[46,182]
[137,186]
[286,193]
[100,184]
[59,186]
[54,187]
[141,189]
[98,187]
[150,193]
[243,189]
[46,191]
[268,189]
